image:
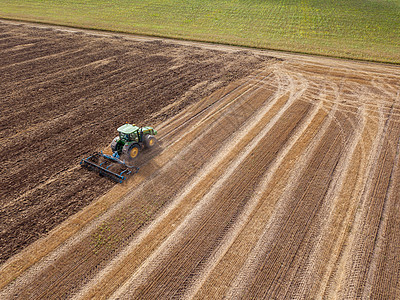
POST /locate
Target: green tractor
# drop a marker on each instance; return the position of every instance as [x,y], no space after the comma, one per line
[125,147]
[132,140]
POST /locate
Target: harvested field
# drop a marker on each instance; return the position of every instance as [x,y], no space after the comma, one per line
[283,183]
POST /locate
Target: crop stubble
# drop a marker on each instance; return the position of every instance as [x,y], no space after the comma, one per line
[281,184]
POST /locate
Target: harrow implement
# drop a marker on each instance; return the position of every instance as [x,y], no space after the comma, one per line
[110,166]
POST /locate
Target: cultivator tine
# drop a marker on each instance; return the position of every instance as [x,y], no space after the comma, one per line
[94,163]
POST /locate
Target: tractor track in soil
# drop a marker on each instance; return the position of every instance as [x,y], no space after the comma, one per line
[282,182]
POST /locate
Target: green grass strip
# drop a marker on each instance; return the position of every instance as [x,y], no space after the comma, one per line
[359,29]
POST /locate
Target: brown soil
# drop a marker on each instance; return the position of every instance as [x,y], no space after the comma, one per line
[63,96]
[281,184]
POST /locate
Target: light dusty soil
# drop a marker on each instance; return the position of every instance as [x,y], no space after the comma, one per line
[282,184]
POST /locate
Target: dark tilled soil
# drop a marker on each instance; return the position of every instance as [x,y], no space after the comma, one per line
[62,97]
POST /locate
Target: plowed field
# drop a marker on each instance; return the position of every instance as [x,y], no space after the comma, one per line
[283,183]
[62,97]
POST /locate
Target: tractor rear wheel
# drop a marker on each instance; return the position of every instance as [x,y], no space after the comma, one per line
[149,140]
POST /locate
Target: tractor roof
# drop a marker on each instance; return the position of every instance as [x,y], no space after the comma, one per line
[127,128]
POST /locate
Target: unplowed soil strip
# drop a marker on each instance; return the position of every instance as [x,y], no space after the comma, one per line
[385,279]
[375,207]
[336,282]
[333,238]
[380,278]
[175,271]
[275,258]
[249,210]
[230,265]
[312,263]
[269,211]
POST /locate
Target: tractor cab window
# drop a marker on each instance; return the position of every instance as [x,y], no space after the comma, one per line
[133,136]
[124,136]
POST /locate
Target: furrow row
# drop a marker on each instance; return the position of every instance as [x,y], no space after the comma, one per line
[85,260]
[201,237]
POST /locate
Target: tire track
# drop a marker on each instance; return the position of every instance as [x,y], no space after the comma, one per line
[373,210]
[206,237]
[309,270]
[277,257]
[343,213]
[348,220]
[313,262]
[377,277]
[385,281]
[337,277]
[262,283]
[223,274]
[257,228]
[249,210]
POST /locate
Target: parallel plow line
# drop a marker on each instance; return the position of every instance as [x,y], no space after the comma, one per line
[196,159]
[292,226]
[182,205]
[374,207]
[220,277]
[234,195]
[22,261]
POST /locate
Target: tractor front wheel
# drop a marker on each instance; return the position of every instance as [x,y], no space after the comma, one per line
[114,144]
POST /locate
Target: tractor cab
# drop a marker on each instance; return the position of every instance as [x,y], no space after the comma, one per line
[128,133]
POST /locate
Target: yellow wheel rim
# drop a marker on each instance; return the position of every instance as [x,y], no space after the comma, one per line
[151,142]
[134,152]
